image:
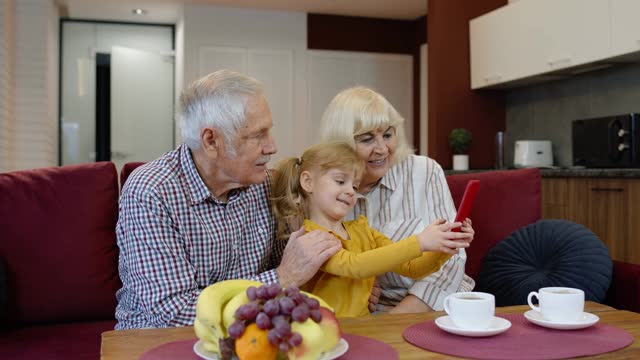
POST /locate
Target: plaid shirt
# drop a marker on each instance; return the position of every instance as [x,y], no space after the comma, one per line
[410,196]
[176,238]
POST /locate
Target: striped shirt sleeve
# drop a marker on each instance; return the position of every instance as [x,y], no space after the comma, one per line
[451,277]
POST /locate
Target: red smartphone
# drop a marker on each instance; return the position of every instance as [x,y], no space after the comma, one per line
[467,201]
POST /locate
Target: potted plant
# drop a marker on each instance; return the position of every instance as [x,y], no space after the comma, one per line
[459,141]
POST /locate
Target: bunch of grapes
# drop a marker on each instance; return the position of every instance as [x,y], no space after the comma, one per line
[273,309]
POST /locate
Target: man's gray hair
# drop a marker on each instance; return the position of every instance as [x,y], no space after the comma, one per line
[217,100]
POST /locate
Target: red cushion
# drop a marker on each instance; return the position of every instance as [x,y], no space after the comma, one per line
[126,171]
[624,293]
[67,341]
[59,244]
[506,201]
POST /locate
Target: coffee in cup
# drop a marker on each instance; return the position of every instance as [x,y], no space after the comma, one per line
[470,310]
[558,304]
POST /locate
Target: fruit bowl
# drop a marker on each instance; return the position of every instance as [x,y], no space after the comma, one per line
[249,320]
[337,351]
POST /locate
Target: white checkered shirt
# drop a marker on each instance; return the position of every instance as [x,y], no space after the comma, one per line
[175,239]
[409,197]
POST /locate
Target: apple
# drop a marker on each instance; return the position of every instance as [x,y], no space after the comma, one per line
[330,328]
[313,340]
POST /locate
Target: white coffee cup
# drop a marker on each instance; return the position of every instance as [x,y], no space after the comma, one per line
[558,304]
[470,310]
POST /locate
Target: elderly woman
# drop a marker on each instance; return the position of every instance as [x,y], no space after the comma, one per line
[400,193]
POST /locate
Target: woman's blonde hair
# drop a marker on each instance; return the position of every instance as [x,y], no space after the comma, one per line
[289,200]
[358,110]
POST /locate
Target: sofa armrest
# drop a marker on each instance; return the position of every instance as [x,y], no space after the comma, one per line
[624,292]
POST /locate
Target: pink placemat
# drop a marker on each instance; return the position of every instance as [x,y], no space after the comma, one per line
[522,341]
[172,351]
[364,348]
[360,347]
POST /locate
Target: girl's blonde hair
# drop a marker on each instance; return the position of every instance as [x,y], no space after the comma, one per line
[289,199]
[358,110]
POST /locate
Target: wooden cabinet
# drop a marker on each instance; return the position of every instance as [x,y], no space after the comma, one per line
[609,207]
[529,38]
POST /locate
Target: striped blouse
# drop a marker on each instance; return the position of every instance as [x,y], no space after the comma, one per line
[409,197]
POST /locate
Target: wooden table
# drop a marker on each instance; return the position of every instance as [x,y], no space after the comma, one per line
[131,344]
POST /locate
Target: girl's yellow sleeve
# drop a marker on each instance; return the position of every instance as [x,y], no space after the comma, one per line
[403,257]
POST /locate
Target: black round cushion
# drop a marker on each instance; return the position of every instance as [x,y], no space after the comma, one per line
[547,253]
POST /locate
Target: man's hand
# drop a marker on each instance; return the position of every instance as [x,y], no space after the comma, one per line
[304,254]
[374,297]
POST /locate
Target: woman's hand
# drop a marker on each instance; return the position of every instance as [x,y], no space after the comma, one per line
[374,297]
[438,237]
[467,228]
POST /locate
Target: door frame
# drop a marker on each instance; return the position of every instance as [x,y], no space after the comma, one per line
[60,65]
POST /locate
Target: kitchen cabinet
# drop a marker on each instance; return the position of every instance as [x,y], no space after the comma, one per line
[608,207]
[625,27]
[528,38]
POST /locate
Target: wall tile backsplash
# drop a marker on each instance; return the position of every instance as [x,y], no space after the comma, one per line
[545,111]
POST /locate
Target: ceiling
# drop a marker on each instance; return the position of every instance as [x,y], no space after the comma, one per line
[167,11]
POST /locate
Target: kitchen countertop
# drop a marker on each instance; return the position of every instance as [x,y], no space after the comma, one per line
[570,173]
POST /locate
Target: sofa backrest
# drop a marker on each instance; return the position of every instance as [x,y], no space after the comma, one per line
[127,169]
[57,227]
[506,201]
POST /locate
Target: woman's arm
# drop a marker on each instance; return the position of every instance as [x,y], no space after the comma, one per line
[450,278]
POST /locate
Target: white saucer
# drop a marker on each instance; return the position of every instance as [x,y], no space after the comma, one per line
[586,320]
[335,352]
[498,325]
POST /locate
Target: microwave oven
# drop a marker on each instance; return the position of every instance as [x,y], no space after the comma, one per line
[607,142]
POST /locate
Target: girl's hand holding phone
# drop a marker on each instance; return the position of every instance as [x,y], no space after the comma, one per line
[438,237]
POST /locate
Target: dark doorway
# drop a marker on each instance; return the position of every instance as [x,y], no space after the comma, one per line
[103,107]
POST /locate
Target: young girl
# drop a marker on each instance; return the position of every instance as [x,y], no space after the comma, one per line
[321,188]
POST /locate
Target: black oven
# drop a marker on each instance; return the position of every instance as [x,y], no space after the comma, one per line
[607,142]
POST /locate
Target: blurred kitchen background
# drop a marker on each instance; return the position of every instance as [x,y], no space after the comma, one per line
[90,80]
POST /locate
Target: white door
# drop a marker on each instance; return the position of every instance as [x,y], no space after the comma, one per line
[141,105]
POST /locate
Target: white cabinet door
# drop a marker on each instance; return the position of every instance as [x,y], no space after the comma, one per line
[494,38]
[275,69]
[625,27]
[575,32]
[330,72]
[528,38]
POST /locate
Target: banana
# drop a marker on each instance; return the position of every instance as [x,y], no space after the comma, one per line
[214,298]
[208,336]
[320,300]
[231,307]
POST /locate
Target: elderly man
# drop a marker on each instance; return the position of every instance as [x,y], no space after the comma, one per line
[201,213]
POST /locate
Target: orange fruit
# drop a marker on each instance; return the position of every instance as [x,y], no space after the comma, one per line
[254,345]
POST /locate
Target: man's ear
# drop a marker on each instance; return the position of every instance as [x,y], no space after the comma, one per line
[306,182]
[211,140]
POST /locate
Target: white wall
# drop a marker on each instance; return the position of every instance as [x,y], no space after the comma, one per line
[7,83]
[29,70]
[179,68]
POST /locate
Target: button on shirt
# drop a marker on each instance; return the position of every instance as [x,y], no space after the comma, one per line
[410,196]
[176,238]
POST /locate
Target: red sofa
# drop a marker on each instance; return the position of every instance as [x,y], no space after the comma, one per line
[58,247]
[59,251]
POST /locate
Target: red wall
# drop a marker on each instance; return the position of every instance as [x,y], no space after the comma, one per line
[452,103]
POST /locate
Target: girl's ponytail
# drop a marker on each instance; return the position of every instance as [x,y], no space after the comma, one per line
[288,197]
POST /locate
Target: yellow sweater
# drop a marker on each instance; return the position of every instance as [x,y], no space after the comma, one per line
[346,279]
